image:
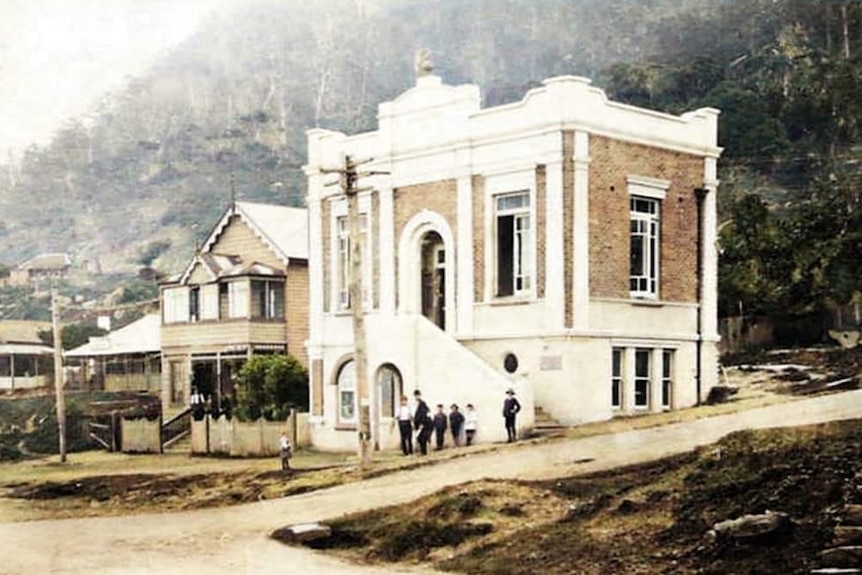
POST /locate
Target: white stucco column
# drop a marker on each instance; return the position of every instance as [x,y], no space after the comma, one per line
[709,254]
[555,312]
[581,234]
[315,261]
[464,273]
[387,250]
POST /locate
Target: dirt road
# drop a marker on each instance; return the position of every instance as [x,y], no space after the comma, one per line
[233,540]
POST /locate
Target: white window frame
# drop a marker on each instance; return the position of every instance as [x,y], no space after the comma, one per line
[176,305]
[640,378]
[194,298]
[209,302]
[345,382]
[646,197]
[618,377]
[340,254]
[238,299]
[523,242]
[270,299]
[668,364]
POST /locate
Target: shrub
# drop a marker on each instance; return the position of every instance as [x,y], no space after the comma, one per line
[270,386]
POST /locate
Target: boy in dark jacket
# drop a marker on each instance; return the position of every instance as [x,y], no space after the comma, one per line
[421,422]
[456,423]
[511,407]
[439,426]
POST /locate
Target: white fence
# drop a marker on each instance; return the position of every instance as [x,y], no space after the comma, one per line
[142,435]
[247,439]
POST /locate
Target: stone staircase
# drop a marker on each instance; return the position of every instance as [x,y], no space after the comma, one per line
[546,426]
[845,554]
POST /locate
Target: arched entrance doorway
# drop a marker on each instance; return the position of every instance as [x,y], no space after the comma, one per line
[433,271]
[426,264]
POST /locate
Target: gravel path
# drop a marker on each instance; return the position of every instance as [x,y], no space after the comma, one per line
[233,540]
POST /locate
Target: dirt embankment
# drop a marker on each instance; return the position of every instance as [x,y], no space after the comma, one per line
[648,519]
[121,494]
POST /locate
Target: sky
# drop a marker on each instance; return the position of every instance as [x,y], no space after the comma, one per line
[58,58]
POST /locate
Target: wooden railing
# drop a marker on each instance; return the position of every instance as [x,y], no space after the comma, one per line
[176,427]
[105,430]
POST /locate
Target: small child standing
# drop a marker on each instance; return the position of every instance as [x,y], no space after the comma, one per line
[471,422]
[439,426]
[285,451]
[456,423]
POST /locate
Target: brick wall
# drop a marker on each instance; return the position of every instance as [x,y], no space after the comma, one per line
[612,161]
[478,186]
[296,294]
[539,237]
[568,222]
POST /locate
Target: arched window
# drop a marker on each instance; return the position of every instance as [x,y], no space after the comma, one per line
[391,387]
[346,382]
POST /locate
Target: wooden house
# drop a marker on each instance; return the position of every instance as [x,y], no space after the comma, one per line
[245,292]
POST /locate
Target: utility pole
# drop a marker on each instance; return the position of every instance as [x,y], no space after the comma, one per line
[348,178]
[59,383]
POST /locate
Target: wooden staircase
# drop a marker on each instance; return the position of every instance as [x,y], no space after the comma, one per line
[547,426]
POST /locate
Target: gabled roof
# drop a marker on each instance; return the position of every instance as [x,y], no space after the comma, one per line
[47,262]
[283,229]
[22,331]
[142,336]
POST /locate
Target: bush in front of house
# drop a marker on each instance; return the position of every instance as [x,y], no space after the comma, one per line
[270,386]
[44,437]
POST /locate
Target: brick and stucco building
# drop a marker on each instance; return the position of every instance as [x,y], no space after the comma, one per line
[563,245]
[244,292]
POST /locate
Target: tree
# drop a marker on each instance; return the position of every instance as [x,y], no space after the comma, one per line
[270,386]
[73,335]
[753,267]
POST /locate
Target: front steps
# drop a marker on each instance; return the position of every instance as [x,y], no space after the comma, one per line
[546,426]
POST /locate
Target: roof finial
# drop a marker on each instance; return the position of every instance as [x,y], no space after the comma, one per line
[232,189]
[423,63]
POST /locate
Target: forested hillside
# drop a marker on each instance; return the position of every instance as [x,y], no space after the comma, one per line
[143,176]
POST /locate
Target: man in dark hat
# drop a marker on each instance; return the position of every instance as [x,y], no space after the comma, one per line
[511,407]
[422,422]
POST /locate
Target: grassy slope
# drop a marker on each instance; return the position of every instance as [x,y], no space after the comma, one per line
[648,518]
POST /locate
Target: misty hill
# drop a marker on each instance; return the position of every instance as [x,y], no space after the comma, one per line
[141,178]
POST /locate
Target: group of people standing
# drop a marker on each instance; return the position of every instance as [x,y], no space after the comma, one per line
[419,418]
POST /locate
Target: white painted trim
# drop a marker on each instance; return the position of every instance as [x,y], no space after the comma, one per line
[647,187]
[338,209]
[551,127]
[554,265]
[387,250]
[501,185]
[581,233]
[465,279]
[316,253]
[409,264]
[709,276]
